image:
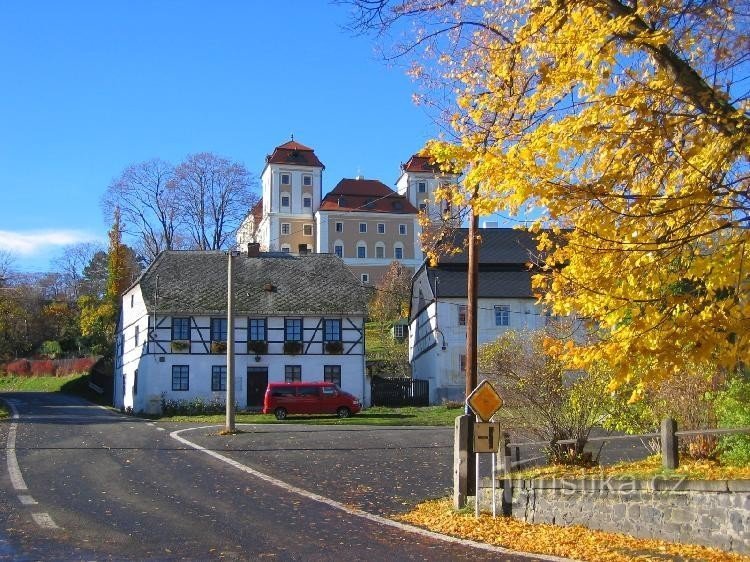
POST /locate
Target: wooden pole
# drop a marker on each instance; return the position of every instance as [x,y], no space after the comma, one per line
[471,305]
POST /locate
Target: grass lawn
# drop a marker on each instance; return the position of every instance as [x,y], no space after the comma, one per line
[411,416]
[13,383]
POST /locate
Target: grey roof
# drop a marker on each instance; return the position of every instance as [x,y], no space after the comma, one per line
[195,282]
[492,284]
[498,246]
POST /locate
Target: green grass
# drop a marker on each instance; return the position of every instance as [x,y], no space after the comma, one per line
[378,415]
[11,383]
[4,411]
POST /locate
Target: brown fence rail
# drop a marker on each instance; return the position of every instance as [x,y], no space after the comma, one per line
[395,393]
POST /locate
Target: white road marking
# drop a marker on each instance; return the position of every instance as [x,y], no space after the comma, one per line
[27,500]
[16,478]
[44,520]
[350,510]
[160,429]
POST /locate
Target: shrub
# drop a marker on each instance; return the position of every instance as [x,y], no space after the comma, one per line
[733,410]
[292,347]
[19,367]
[43,367]
[51,349]
[74,366]
[194,407]
[218,346]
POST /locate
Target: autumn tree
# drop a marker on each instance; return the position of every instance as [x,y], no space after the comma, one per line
[146,197]
[625,124]
[214,196]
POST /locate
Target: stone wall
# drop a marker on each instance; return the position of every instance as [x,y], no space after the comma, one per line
[711,513]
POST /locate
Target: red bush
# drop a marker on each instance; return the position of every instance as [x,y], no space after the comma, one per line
[43,368]
[74,366]
[19,367]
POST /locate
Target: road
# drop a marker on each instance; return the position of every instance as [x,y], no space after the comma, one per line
[83,483]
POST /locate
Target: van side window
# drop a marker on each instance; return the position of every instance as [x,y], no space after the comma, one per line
[308,391]
[282,391]
[329,391]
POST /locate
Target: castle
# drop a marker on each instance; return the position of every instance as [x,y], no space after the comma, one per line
[363,221]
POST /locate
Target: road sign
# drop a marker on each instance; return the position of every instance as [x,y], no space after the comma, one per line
[486,437]
[484,400]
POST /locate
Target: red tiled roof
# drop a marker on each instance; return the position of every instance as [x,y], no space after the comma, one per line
[295,153]
[419,163]
[369,196]
[257,211]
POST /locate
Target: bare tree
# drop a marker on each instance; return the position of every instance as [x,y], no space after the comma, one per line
[6,266]
[72,263]
[214,197]
[146,196]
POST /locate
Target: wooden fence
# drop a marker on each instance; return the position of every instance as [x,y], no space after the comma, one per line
[395,393]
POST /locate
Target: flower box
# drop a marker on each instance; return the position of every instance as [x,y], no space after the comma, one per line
[292,347]
[334,347]
[218,347]
[180,346]
[258,347]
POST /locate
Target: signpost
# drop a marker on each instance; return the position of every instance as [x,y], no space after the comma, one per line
[484,401]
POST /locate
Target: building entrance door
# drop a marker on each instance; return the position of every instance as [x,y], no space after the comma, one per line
[257,381]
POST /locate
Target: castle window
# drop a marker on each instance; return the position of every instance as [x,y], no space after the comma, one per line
[422,187]
[306,180]
[286,179]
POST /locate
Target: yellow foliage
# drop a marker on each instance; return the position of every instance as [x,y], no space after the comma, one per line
[599,115]
[574,542]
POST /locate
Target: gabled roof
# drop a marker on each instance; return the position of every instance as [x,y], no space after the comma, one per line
[418,163]
[294,153]
[195,282]
[505,255]
[365,196]
[257,211]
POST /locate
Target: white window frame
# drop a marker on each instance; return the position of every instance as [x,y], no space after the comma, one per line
[402,230]
[398,247]
[380,246]
[305,228]
[286,226]
[289,200]
[365,277]
[288,176]
[502,315]
[306,178]
[381,228]
[307,202]
[362,245]
[421,187]
[363,228]
[286,248]
[339,226]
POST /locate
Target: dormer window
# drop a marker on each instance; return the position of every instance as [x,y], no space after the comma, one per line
[397,205]
[286,179]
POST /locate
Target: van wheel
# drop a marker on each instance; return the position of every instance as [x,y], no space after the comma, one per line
[343,412]
[280,413]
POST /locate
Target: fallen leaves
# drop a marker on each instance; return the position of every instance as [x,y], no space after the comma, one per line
[572,542]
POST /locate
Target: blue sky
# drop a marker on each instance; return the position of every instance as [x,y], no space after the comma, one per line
[91,87]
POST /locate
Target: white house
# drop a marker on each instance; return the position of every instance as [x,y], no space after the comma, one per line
[437,319]
[297,317]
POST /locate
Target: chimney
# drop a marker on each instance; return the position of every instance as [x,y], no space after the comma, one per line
[253,250]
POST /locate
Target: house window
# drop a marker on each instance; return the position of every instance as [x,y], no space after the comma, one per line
[422,207]
[462,363]
[462,315]
[363,227]
[137,335]
[293,329]
[286,179]
[422,187]
[256,329]
[365,278]
[361,251]
[332,330]
[338,249]
[218,377]
[292,373]
[332,373]
[339,227]
[218,329]
[132,300]
[381,228]
[306,180]
[180,377]
[135,382]
[399,331]
[398,253]
[402,229]
[502,315]
[307,202]
[285,228]
[380,251]
[285,201]
[181,329]
[307,229]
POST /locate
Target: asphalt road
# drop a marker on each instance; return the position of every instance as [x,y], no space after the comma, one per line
[91,484]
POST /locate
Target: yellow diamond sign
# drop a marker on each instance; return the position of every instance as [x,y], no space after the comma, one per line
[484,400]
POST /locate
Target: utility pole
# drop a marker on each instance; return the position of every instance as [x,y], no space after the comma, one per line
[471,305]
[230,348]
